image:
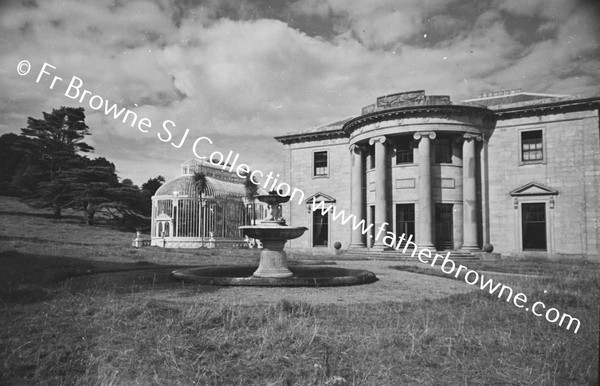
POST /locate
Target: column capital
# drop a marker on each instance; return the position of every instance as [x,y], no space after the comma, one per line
[470,136]
[381,139]
[357,149]
[420,134]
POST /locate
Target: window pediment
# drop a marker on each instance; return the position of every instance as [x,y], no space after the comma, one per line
[533,189]
[318,197]
[163,216]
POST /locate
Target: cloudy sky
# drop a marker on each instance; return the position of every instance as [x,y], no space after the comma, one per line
[241,72]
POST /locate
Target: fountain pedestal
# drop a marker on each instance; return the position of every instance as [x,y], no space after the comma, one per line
[273,233]
[273,260]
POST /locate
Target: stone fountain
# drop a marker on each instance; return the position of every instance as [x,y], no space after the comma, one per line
[273,270]
[273,233]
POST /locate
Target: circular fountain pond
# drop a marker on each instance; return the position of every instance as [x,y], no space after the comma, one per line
[273,268]
[302,276]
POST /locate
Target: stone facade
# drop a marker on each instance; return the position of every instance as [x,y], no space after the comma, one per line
[519,171]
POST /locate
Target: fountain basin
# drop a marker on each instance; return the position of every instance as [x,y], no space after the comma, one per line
[303,276]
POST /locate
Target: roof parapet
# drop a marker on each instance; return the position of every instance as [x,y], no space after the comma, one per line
[406,99]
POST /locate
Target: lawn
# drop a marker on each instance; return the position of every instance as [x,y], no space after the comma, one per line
[81,306]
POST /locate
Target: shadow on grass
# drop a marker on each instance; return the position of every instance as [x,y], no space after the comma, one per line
[460,275]
[101,221]
[30,278]
[421,271]
[42,240]
[39,215]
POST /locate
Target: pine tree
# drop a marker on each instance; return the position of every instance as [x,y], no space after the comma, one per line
[152,185]
[58,139]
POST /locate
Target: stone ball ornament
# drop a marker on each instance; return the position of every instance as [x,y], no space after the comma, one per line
[487,247]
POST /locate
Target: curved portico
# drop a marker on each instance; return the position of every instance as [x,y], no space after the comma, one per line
[416,170]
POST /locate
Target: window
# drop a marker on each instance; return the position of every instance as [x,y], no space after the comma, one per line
[443,150]
[320,164]
[405,220]
[532,146]
[404,151]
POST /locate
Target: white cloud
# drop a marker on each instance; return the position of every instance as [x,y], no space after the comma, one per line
[550,9]
[241,82]
[375,23]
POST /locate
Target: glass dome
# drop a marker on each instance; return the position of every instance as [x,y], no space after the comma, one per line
[182,218]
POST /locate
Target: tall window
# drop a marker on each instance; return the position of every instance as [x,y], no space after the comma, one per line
[443,150]
[532,146]
[404,151]
[320,164]
[405,220]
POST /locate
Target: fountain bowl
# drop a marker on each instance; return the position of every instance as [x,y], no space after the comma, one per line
[272,231]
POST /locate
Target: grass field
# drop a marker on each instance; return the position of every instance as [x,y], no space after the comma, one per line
[64,322]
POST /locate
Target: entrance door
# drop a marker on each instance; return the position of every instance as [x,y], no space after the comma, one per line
[405,220]
[320,228]
[534,226]
[444,227]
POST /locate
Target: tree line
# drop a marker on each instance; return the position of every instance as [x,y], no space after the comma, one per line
[48,167]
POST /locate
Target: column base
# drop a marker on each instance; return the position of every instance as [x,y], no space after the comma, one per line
[431,247]
[470,248]
[357,246]
[380,247]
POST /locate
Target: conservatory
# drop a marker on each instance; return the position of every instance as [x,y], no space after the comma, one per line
[181,218]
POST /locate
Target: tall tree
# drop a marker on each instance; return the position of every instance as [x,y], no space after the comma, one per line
[58,140]
[152,185]
[63,129]
[91,186]
[200,183]
[128,182]
[19,170]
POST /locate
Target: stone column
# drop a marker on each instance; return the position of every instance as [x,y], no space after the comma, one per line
[485,197]
[470,192]
[425,225]
[380,196]
[358,201]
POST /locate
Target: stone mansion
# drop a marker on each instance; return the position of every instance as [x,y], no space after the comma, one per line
[516,171]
